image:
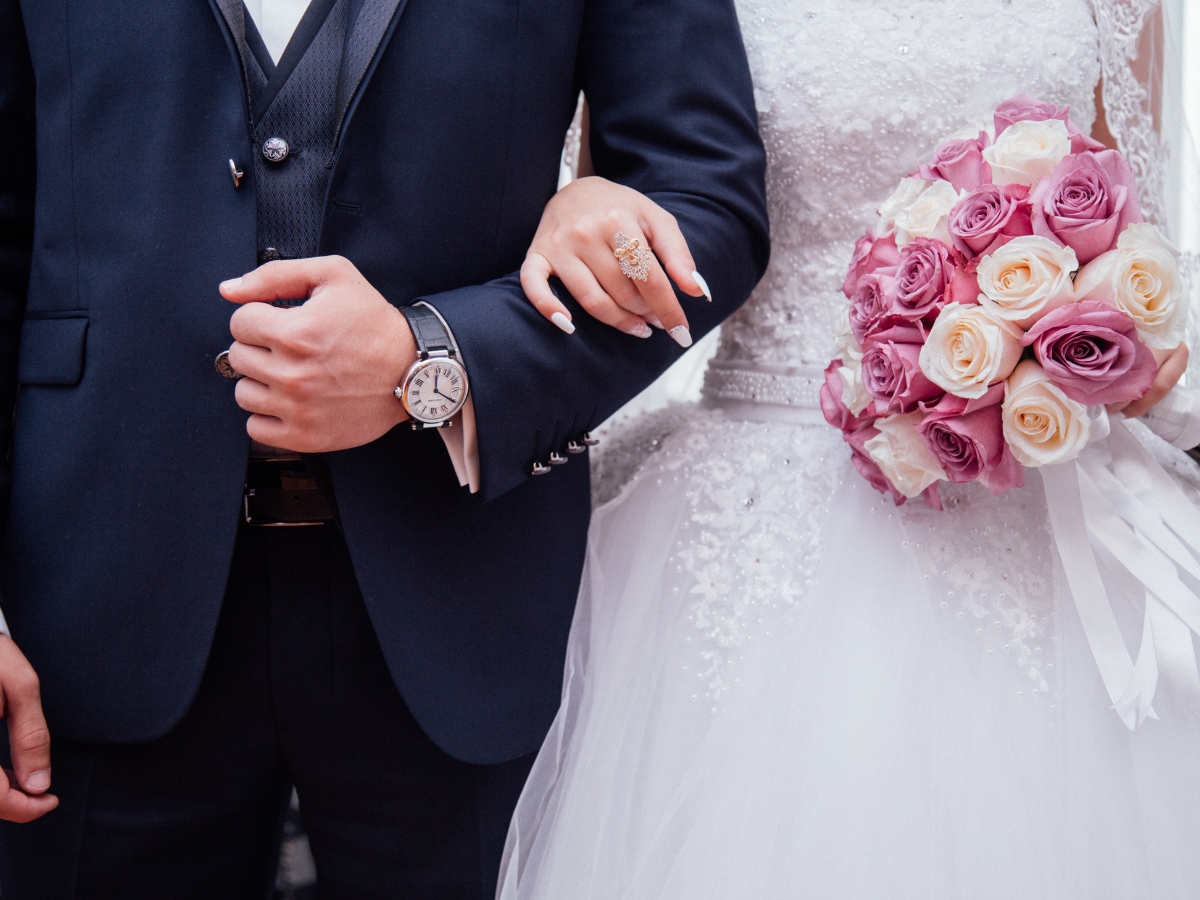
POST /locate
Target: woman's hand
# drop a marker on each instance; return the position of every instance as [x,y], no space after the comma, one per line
[575,241]
[1171,366]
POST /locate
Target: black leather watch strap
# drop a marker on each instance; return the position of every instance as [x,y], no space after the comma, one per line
[430,334]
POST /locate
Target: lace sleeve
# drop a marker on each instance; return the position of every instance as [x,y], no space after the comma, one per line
[1129,95]
[1141,52]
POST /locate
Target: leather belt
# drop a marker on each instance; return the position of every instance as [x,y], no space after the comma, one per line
[282,492]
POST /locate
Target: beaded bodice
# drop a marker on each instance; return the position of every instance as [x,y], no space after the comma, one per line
[852,95]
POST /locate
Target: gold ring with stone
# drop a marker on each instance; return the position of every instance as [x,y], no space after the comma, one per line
[633,259]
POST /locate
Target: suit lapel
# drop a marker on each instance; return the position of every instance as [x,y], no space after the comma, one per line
[230,12]
[367,32]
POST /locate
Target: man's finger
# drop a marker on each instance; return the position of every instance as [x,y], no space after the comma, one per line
[255,397]
[535,280]
[285,279]
[17,806]
[28,736]
[251,361]
[256,324]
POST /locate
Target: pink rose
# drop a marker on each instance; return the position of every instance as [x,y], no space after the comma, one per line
[1023,108]
[1086,203]
[871,253]
[832,407]
[966,437]
[1092,352]
[873,298]
[961,163]
[964,289]
[925,271]
[866,466]
[891,370]
[989,217]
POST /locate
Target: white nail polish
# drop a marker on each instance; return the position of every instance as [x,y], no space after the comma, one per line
[563,322]
[699,279]
[655,321]
[682,336]
[640,330]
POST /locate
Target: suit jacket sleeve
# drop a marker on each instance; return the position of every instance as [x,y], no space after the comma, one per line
[672,115]
[17,175]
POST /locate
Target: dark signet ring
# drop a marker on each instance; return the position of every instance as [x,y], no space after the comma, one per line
[224,368]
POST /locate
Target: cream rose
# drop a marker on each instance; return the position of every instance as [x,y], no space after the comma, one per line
[1027,152]
[928,215]
[1027,278]
[855,396]
[969,349]
[1140,278]
[901,455]
[1042,425]
[905,194]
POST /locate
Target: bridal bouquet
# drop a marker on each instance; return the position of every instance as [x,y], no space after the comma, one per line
[1008,293]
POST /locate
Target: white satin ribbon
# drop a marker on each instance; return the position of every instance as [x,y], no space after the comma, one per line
[1117,503]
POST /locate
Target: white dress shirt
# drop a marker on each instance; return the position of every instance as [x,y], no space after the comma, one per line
[276,21]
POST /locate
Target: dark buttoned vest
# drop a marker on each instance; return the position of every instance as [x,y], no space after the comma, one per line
[297,109]
[294,123]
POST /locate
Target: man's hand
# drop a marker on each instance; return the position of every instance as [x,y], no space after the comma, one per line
[319,377]
[23,796]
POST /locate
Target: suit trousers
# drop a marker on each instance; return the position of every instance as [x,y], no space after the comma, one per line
[295,693]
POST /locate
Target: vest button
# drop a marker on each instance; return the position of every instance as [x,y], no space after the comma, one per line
[275,149]
[270,254]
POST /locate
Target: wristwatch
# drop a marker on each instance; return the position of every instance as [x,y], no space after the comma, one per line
[435,386]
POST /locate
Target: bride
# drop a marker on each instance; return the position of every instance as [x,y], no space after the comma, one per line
[779,684]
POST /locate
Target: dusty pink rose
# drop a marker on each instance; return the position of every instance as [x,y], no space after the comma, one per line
[871,253]
[1023,108]
[966,437]
[1086,203]
[1091,350]
[925,270]
[866,466]
[964,289]
[870,304]
[989,217]
[961,163]
[835,411]
[891,370]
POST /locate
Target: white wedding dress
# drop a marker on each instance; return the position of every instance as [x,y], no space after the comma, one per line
[780,685]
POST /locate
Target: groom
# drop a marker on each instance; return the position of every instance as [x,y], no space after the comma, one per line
[216,619]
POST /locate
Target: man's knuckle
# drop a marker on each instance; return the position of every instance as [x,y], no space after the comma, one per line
[36,737]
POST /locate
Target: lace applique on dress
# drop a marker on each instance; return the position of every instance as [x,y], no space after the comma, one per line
[757,495]
[990,560]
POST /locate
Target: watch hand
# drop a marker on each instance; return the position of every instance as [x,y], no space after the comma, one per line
[440,394]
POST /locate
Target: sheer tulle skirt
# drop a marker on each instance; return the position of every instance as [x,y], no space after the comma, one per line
[779,685]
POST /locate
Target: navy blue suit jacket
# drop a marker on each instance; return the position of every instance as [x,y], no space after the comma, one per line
[118,219]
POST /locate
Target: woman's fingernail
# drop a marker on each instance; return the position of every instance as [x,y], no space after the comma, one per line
[640,330]
[682,336]
[655,321]
[563,322]
[699,279]
[38,781]
[230,284]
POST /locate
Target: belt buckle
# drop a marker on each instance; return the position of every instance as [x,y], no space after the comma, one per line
[282,494]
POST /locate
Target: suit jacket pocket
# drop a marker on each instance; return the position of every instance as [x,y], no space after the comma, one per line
[52,349]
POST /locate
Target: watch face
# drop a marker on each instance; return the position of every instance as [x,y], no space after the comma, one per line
[436,390]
